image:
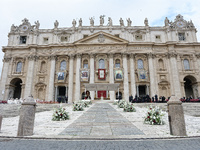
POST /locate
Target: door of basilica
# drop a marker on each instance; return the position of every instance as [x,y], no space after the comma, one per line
[142,90]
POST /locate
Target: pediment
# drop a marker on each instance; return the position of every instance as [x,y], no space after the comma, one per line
[101,38]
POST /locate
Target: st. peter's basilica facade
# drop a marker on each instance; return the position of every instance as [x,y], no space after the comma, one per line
[108,60]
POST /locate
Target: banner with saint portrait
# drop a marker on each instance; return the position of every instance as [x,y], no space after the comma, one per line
[102,74]
[142,75]
[84,75]
[61,76]
[118,74]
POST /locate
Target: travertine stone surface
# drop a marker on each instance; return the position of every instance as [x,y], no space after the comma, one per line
[176,117]
[27,117]
[1,118]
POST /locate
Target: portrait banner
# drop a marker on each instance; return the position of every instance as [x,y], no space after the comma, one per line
[61,76]
[142,74]
[84,75]
[118,75]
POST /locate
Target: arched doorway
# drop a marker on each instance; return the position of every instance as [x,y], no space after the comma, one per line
[15,88]
[190,86]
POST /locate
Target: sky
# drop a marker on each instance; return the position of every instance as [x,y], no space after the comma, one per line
[47,11]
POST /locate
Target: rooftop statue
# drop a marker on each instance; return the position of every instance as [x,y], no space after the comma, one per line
[102,20]
[146,22]
[80,22]
[91,21]
[129,22]
[37,24]
[74,23]
[56,23]
[121,21]
[166,22]
[109,21]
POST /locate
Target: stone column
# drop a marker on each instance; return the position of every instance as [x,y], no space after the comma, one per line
[147,89]
[56,93]
[78,66]
[27,117]
[92,74]
[51,79]
[29,76]
[112,93]
[4,75]
[126,85]
[176,117]
[151,74]
[132,72]
[175,75]
[71,79]
[138,94]
[1,118]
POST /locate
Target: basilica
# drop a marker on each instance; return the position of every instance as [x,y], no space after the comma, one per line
[109,60]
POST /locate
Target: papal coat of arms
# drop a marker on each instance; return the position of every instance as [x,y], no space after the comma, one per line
[101,38]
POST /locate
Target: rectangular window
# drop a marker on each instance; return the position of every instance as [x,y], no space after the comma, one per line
[64,39]
[138,37]
[23,39]
[117,35]
[181,36]
[46,40]
[85,35]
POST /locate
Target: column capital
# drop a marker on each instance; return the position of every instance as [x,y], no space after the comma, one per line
[150,55]
[172,54]
[132,55]
[124,54]
[71,56]
[53,57]
[7,59]
[92,55]
[111,55]
[197,55]
[32,57]
[79,55]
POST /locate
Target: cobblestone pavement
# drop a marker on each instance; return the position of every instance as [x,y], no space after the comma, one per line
[101,120]
[151,144]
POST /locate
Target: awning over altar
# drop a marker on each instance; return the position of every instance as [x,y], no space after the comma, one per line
[102,86]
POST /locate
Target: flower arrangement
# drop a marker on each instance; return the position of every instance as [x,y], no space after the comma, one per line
[129,108]
[60,114]
[121,103]
[78,107]
[154,116]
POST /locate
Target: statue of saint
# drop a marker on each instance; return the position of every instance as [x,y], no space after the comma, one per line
[37,24]
[56,23]
[74,23]
[91,21]
[121,21]
[13,28]
[146,22]
[166,22]
[80,22]
[109,21]
[102,20]
[129,22]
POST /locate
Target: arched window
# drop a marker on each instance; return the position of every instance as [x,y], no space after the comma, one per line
[117,63]
[19,67]
[63,65]
[43,66]
[85,64]
[186,64]
[101,64]
[140,64]
[161,64]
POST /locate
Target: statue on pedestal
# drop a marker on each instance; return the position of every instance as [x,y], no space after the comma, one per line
[56,23]
[80,22]
[146,22]
[102,20]
[91,21]
[166,22]
[109,21]
[129,22]
[37,24]
[121,21]
[74,23]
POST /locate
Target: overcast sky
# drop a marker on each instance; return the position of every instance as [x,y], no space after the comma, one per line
[47,11]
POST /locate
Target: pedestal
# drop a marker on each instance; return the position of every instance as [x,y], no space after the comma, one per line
[176,117]
[27,118]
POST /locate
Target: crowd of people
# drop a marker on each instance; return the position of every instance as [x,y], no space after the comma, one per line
[147,98]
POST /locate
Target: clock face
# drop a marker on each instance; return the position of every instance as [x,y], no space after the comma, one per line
[180,24]
[24,28]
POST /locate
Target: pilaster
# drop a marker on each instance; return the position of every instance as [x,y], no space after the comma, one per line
[71,79]
[132,72]
[126,85]
[78,66]
[151,74]
[92,73]
[112,93]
